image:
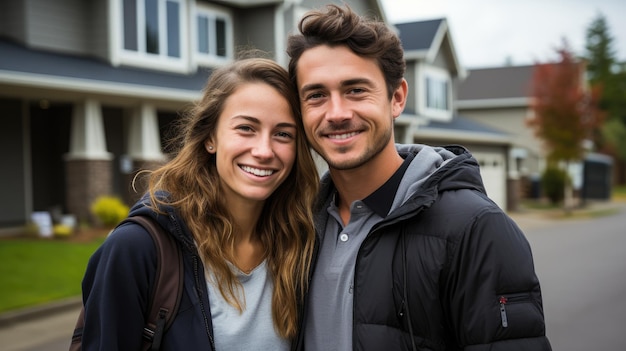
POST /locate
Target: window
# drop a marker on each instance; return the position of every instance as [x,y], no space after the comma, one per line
[436,93]
[153,32]
[213,30]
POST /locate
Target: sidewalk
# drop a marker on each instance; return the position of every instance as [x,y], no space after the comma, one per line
[41,328]
[50,327]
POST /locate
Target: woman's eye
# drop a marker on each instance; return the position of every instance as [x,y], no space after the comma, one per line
[285,135]
[245,128]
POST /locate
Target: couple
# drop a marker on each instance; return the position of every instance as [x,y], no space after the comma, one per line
[410,254]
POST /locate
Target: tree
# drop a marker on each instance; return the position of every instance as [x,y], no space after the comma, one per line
[607,75]
[564,110]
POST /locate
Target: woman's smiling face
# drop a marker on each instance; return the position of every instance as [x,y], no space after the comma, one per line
[254,144]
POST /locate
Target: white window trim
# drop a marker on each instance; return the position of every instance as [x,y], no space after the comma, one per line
[438,74]
[162,62]
[200,59]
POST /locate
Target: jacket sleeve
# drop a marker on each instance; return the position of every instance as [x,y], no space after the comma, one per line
[493,297]
[116,290]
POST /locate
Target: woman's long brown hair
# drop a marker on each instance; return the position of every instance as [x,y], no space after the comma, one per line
[285,225]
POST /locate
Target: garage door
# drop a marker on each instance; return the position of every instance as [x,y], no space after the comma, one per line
[493,172]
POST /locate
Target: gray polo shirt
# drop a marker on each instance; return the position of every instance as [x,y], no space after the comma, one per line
[329,320]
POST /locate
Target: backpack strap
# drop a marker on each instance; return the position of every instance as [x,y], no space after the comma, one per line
[166,291]
[168,284]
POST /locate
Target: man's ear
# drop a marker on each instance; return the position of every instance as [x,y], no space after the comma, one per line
[398,99]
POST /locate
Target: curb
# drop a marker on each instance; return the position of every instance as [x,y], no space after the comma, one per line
[30,313]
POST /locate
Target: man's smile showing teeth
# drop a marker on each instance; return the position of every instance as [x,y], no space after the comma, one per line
[257,172]
[342,136]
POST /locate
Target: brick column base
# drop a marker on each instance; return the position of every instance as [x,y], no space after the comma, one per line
[86,180]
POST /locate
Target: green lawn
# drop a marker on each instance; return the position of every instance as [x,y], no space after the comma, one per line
[36,271]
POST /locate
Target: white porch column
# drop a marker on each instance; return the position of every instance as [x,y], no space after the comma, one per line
[88,136]
[88,164]
[144,143]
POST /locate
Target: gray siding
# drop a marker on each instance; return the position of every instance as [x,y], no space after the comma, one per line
[57,25]
[12,20]
[98,28]
[412,98]
[254,28]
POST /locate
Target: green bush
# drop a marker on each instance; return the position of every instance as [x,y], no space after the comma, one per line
[553,183]
[109,210]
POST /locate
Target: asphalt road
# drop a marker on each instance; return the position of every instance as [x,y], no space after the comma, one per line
[581,265]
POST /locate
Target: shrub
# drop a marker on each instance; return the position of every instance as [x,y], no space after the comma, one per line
[553,184]
[62,230]
[109,210]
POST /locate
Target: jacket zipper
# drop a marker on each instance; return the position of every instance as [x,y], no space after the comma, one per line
[508,299]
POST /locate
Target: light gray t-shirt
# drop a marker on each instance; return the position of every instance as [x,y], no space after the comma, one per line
[253,329]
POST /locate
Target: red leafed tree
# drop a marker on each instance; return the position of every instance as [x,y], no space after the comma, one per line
[565,110]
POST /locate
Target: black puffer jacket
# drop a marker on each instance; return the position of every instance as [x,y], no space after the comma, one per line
[448,266]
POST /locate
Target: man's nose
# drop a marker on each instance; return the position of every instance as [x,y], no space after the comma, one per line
[338,110]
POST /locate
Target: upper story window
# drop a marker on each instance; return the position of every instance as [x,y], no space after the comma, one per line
[153,33]
[434,92]
[213,35]
[437,93]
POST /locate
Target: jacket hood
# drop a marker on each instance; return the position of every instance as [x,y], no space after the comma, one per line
[432,170]
[168,219]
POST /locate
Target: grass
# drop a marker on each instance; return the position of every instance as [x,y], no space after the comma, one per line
[619,193]
[36,271]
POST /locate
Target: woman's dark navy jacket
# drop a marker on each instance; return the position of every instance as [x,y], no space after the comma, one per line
[118,282]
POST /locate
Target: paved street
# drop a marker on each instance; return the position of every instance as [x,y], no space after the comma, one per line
[582,268]
[581,264]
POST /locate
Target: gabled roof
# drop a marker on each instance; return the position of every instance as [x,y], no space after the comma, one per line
[424,40]
[35,68]
[418,36]
[496,83]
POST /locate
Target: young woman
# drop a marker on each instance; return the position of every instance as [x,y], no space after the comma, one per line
[237,197]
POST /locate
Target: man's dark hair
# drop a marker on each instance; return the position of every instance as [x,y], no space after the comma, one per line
[364,36]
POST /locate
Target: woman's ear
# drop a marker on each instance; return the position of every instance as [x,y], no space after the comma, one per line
[208,145]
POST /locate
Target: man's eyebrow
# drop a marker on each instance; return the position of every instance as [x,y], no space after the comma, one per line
[343,83]
[309,87]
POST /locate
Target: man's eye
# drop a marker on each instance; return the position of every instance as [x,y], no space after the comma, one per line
[314,96]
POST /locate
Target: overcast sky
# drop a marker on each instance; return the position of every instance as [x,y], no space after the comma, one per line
[488,32]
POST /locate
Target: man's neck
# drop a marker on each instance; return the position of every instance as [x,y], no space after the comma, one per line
[357,184]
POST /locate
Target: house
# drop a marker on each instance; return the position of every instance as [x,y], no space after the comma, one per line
[89,89]
[501,98]
[434,74]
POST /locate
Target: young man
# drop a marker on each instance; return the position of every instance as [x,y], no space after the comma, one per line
[413,255]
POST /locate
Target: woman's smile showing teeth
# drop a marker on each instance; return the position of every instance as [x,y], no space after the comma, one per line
[257,171]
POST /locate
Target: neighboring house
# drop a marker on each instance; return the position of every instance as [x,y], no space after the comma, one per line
[88,89]
[434,74]
[501,98]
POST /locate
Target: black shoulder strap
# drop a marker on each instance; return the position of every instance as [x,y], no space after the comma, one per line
[166,292]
